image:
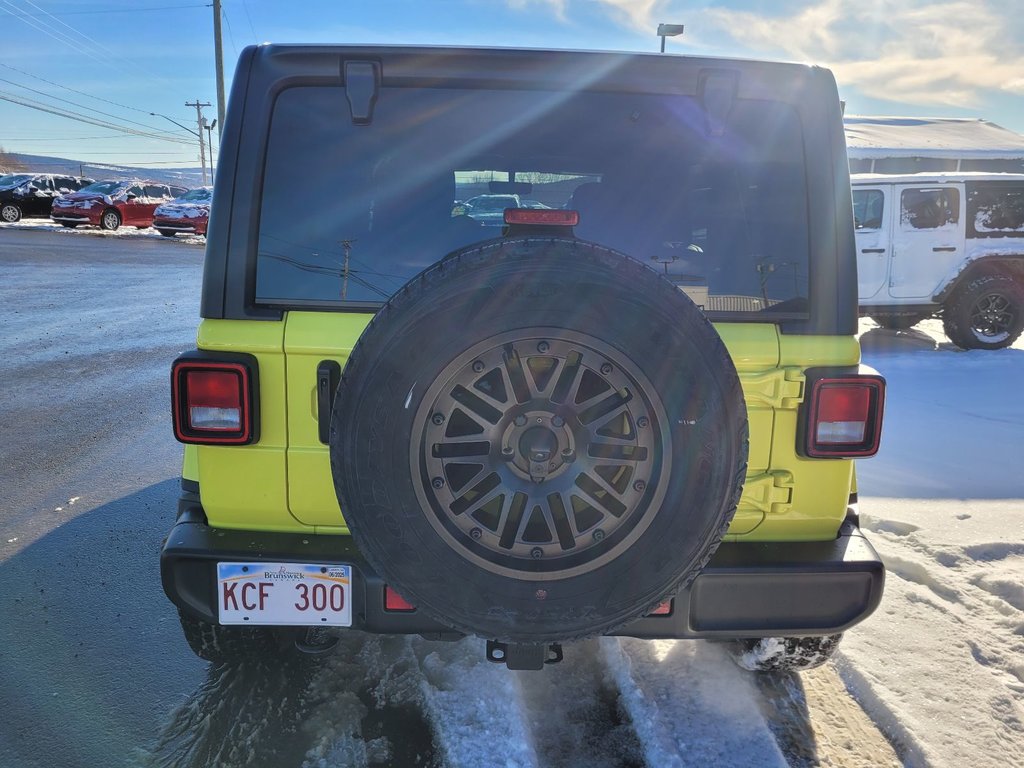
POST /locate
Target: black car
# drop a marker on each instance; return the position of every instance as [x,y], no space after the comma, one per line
[31,195]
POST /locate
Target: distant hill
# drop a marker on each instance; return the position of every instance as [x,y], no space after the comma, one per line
[186,176]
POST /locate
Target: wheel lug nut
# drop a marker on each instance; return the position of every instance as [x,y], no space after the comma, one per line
[520,420]
[438,418]
[536,553]
[437,482]
[643,421]
[507,451]
[639,485]
[598,535]
[478,365]
[557,421]
[568,455]
[606,368]
[475,534]
[543,347]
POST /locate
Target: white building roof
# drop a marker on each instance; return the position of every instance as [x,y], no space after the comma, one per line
[943,137]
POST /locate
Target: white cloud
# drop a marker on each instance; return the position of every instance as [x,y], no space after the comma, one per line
[638,14]
[912,51]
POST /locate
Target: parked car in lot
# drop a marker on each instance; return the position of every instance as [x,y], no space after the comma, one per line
[399,421]
[943,244]
[31,195]
[489,210]
[188,214]
[111,204]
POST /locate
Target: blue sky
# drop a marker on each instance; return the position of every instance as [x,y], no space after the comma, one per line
[127,58]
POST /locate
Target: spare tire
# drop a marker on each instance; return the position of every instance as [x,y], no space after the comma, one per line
[538,440]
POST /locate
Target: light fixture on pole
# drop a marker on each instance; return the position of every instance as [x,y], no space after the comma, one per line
[202,154]
[668,30]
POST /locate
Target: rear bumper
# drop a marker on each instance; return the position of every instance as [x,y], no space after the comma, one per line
[747,590]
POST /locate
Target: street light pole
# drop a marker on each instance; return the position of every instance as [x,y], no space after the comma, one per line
[199,121]
[668,30]
[202,155]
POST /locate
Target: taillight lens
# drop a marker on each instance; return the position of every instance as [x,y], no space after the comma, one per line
[212,402]
[663,609]
[549,217]
[395,602]
[845,418]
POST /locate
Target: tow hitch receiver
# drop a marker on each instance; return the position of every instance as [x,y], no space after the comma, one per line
[523,655]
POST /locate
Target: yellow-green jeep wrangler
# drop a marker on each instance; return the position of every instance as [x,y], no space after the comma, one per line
[628,406]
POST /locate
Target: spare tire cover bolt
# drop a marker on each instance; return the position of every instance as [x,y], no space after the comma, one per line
[606,368]
[478,365]
[543,347]
[437,482]
[557,421]
[476,533]
[598,535]
[438,418]
[642,421]
[520,420]
[536,553]
[639,485]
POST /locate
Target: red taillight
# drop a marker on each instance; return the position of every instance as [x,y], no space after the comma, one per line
[395,602]
[212,402]
[665,609]
[845,418]
[549,217]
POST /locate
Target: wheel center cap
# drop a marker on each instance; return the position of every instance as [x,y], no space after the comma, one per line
[538,444]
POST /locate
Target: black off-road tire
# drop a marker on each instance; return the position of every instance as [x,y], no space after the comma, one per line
[986,312]
[522,348]
[10,213]
[898,322]
[230,645]
[110,220]
[784,654]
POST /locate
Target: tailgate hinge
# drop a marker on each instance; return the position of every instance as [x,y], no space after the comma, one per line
[771,492]
[781,388]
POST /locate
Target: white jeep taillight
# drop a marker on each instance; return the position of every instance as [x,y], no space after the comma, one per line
[212,402]
[845,416]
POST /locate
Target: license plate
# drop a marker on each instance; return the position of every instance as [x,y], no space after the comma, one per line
[285,594]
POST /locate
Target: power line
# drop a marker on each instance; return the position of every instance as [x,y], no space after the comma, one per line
[82,106]
[255,37]
[53,110]
[73,90]
[123,10]
[60,37]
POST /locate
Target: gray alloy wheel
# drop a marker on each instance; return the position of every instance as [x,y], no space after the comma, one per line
[985,313]
[10,213]
[110,220]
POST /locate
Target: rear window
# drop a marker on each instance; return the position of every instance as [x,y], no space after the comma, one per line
[349,212]
[996,210]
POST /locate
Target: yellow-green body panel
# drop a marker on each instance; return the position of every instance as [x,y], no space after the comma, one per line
[284,483]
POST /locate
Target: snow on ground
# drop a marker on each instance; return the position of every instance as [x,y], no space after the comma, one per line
[940,666]
[121,232]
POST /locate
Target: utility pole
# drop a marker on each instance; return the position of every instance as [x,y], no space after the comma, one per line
[218,49]
[199,120]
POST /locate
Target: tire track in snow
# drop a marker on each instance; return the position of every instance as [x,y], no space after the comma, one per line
[690,705]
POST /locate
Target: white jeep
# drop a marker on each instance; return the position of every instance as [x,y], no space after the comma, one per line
[943,244]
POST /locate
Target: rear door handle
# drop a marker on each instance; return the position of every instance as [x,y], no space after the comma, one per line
[872,250]
[328,375]
[944,249]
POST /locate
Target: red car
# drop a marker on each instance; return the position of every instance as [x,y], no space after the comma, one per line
[110,204]
[188,214]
